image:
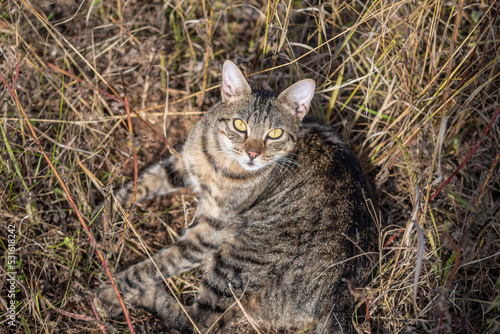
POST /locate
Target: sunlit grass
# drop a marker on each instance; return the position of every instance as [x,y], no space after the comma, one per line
[387,73]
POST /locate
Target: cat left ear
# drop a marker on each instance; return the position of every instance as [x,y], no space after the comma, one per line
[234,84]
[299,96]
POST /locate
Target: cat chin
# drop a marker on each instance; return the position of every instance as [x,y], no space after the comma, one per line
[249,167]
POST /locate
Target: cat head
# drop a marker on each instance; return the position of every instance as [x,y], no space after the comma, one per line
[257,128]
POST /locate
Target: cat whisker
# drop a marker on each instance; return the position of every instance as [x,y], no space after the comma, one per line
[275,167]
[288,164]
[291,161]
[284,167]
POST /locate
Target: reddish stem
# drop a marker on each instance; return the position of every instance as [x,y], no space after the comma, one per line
[488,129]
[368,315]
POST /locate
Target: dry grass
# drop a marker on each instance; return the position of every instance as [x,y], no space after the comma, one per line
[411,85]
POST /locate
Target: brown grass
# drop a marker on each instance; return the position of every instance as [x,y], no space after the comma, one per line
[412,86]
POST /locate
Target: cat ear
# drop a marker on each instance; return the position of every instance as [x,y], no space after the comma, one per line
[299,96]
[234,83]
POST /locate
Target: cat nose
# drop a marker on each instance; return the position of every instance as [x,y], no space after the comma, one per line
[253,154]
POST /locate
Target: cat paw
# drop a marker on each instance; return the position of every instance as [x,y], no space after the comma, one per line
[106,301]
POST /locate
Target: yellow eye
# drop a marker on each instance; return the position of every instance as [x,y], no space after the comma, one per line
[275,134]
[239,125]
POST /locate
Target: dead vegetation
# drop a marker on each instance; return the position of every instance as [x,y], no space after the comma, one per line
[413,86]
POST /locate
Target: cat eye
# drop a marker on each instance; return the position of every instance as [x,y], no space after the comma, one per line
[240,125]
[275,134]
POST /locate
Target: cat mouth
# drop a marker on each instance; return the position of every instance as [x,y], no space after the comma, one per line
[251,166]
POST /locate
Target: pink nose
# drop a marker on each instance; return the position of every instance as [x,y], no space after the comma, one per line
[252,154]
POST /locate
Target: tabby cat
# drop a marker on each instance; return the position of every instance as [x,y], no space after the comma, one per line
[283,221]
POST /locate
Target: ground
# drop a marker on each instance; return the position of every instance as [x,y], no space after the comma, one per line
[412,86]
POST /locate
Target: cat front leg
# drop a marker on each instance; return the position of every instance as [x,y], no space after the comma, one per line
[156,180]
[188,253]
[159,179]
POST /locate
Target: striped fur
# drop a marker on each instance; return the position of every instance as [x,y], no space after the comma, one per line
[284,232]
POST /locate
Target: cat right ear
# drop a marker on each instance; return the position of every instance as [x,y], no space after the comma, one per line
[299,96]
[234,84]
